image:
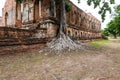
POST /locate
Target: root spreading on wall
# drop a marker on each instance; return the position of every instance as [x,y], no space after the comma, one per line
[62,44]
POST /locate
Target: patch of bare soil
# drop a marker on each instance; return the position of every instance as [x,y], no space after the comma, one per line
[4,50]
[88,64]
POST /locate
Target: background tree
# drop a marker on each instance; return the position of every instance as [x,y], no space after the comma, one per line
[105,32]
[113,27]
[117,11]
[103,5]
[117,24]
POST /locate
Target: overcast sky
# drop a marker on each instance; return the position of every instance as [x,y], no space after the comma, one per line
[83,6]
[2,2]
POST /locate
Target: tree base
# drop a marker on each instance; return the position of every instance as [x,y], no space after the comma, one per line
[62,44]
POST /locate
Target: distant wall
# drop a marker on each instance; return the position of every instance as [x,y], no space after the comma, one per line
[0,21]
[10,10]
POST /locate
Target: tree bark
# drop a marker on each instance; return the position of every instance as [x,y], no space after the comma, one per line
[62,18]
[53,10]
[62,42]
[115,36]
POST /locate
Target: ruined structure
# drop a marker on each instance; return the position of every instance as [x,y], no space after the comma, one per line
[0,21]
[40,20]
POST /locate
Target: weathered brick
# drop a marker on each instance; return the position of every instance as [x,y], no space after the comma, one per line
[80,25]
[0,21]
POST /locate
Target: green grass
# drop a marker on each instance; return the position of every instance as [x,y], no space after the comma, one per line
[99,43]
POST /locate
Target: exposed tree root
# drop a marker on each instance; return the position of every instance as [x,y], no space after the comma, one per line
[62,44]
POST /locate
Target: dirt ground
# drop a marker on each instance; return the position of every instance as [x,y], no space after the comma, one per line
[98,61]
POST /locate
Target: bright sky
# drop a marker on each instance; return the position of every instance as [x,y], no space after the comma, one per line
[82,5]
[2,2]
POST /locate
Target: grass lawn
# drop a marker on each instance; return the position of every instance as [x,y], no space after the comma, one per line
[88,64]
[99,43]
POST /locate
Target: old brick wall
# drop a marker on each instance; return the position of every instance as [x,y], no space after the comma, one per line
[14,36]
[82,25]
[0,21]
[34,10]
[27,11]
[9,33]
[9,12]
[45,8]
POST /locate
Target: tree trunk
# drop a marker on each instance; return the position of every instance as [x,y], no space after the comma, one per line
[52,8]
[62,19]
[115,36]
[62,42]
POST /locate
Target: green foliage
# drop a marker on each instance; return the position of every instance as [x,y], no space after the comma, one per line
[113,27]
[117,24]
[103,5]
[19,1]
[117,10]
[68,6]
[105,32]
[112,1]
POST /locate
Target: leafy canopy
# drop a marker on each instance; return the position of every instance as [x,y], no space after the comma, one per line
[117,10]
[113,27]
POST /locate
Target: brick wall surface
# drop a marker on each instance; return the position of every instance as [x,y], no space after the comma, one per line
[9,12]
[0,21]
[80,25]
